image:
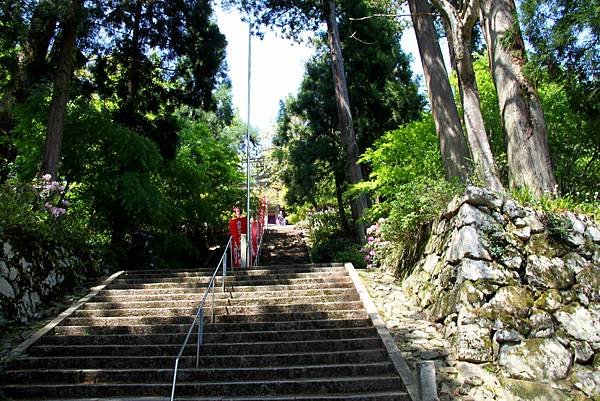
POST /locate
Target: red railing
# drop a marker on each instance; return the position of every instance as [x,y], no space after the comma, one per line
[238,227]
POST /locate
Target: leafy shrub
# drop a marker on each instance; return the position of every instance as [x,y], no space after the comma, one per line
[337,249]
[408,179]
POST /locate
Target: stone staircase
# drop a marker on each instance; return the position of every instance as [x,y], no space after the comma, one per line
[281,332]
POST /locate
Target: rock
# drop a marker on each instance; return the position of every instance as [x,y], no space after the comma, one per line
[511,258]
[25,265]
[582,350]
[507,336]
[534,221]
[512,210]
[430,262]
[473,316]
[543,272]
[520,223]
[3,269]
[430,354]
[575,262]
[587,380]
[574,236]
[523,390]
[512,300]
[522,233]
[499,217]
[14,273]
[473,344]
[8,252]
[470,295]
[542,325]
[468,215]
[588,282]
[481,270]
[574,239]
[466,243]
[6,289]
[453,206]
[576,224]
[482,197]
[443,305]
[550,301]
[580,323]
[536,359]
[593,234]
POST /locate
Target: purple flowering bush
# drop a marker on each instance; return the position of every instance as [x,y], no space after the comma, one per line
[37,209]
[376,247]
[52,194]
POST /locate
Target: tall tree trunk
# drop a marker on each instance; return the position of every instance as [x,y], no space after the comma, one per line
[32,64]
[461,21]
[134,60]
[339,195]
[528,153]
[360,202]
[60,90]
[41,32]
[453,146]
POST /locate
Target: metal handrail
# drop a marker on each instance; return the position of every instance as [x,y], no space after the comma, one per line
[200,317]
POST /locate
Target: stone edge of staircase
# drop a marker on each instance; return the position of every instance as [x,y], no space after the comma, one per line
[21,348]
[414,388]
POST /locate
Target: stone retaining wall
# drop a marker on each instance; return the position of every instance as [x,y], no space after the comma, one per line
[519,295]
[32,274]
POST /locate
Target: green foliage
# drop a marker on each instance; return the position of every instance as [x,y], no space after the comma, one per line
[559,227]
[572,134]
[408,178]
[573,140]
[585,203]
[564,36]
[337,250]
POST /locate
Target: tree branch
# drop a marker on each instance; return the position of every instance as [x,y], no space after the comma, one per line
[389,16]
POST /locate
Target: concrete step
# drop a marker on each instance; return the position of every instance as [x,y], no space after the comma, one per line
[222,310]
[221,299]
[243,282]
[205,361]
[242,348]
[368,396]
[313,386]
[263,317]
[225,337]
[141,296]
[242,288]
[270,268]
[138,329]
[232,275]
[89,376]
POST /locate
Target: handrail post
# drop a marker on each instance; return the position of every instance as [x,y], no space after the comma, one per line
[174,379]
[200,336]
[212,318]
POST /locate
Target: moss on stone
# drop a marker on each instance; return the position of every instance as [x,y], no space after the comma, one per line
[524,390]
[549,300]
[542,244]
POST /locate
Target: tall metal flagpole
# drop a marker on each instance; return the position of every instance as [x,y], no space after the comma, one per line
[248,225]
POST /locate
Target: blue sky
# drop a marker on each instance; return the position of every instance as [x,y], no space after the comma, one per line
[277,67]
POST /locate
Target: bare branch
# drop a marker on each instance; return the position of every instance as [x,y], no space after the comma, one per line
[353,36]
[388,16]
